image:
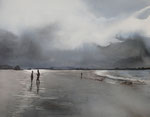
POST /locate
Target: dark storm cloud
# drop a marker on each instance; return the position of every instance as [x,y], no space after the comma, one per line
[13,49]
[133,51]
[29,50]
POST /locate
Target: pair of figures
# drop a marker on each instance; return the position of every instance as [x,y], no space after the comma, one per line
[38,76]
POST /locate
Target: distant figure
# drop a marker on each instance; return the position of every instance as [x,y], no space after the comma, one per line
[31,76]
[81,75]
[38,75]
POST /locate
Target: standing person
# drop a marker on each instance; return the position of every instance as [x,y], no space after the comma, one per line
[38,81]
[38,75]
[81,75]
[32,77]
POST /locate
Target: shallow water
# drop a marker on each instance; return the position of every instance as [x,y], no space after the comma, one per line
[65,94]
[132,74]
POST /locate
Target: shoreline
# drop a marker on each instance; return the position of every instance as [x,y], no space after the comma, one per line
[81,69]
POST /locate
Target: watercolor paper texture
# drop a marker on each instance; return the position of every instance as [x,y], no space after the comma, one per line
[76,58]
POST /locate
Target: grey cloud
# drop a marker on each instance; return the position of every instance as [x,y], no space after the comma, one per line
[113,8]
[133,51]
[144,14]
[19,50]
[35,47]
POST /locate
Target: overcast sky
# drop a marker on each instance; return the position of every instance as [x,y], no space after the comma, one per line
[78,21]
[69,24]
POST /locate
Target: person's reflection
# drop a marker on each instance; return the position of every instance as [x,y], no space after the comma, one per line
[30,87]
[38,85]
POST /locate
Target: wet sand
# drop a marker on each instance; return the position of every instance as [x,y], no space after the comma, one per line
[65,94]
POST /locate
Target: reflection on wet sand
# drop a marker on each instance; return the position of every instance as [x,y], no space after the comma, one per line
[31,86]
[59,106]
[64,94]
[38,86]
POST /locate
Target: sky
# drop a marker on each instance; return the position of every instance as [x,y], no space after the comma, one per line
[33,32]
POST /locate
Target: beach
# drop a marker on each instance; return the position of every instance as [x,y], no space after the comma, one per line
[63,93]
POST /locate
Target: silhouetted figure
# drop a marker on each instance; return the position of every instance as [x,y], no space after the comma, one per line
[32,77]
[38,85]
[38,75]
[81,75]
